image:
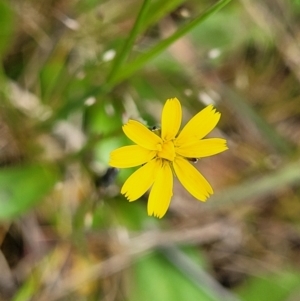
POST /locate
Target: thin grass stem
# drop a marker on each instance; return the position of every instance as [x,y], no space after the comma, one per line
[123,54]
[143,59]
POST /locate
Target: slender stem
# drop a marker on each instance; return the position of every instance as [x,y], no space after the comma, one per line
[260,187]
[132,67]
[122,56]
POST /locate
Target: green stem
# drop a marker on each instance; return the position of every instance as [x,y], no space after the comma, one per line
[122,56]
[132,67]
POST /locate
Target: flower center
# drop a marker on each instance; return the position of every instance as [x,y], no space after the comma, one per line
[167,151]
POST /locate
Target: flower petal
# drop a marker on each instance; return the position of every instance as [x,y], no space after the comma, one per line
[161,192]
[141,180]
[141,135]
[171,119]
[202,148]
[130,156]
[199,126]
[191,179]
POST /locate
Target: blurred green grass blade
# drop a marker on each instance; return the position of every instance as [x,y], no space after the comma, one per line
[123,54]
[22,187]
[158,10]
[155,278]
[258,187]
[117,74]
[279,143]
[276,287]
[197,275]
[137,64]
[99,121]
[73,103]
[27,290]
[6,25]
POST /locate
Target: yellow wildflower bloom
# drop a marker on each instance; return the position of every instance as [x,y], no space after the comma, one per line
[162,155]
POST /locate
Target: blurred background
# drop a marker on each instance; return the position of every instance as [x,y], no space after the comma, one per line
[72,72]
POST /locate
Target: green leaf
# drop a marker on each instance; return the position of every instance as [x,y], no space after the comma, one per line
[27,290]
[132,215]
[154,278]
[51,78]
[6,25]
[22,187]
[275,287]
[104,118]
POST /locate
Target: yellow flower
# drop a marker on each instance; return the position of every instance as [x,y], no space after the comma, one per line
[163,154]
